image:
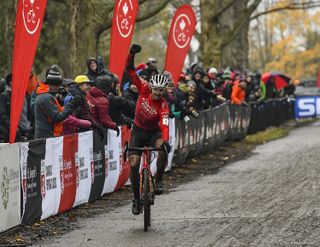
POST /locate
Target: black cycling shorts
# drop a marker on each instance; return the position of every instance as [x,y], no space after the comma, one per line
[141,138]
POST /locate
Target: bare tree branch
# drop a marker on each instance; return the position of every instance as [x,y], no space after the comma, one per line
[290,6]
[60,1]
[153,12]
[243,19]
[223,9]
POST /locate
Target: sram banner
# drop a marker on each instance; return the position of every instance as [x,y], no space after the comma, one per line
[182,28]
[27,31]
[307,106]
[124,18]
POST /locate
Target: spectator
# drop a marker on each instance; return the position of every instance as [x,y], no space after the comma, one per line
[227,85]
[271,91]
[96,68]
[212,73]
[173,97]
[259,83]
[98,100]
[67,84]
[81,87]
[25,116]
[193,104]
[49,114]
[207,91]
[131,95]
[238,95]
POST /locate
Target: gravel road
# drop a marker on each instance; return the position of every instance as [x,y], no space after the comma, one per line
[269,199]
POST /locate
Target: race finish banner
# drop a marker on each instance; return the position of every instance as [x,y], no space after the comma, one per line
[124,18]
[27,31]
[182,29]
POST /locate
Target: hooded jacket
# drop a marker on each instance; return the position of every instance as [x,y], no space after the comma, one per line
[49,114]
[92,75]
[99,110]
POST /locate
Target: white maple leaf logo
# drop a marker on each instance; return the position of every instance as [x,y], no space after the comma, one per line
[182,24]
[125,8]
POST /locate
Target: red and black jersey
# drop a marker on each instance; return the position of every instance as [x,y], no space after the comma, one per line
[150,113]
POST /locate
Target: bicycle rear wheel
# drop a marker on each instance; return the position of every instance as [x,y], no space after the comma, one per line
[146,199]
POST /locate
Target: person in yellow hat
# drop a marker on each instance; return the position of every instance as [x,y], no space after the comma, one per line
[81,87]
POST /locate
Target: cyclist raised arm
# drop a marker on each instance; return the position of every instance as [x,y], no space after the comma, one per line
[151,125]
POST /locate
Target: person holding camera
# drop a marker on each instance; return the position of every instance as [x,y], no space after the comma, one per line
[49,114]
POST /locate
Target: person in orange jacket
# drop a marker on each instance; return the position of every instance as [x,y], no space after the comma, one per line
[239,92]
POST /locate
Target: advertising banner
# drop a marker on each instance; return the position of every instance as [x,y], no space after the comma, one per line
[182,29]
[98,166]
[32,156]
[123,21]
[10,204]
[50,177]
[307,107]
[68,174]
[172,142]
[28,26]
[113,168]
[83,167]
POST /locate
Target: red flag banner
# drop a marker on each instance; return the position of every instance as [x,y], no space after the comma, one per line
[124,18]
[182,29]
[29,20]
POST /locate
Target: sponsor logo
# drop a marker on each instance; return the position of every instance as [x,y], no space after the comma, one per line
[43,179]
[124,18]
[31,15]
[181,31]
[4,187]
[307,107]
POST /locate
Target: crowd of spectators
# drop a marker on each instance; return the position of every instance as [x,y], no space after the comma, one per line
[97,100]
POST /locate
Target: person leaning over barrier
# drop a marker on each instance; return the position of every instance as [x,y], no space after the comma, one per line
[49,114]
[238,95]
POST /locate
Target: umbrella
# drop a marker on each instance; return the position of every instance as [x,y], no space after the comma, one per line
[281,80]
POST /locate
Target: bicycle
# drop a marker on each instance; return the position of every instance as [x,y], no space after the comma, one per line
[146,183]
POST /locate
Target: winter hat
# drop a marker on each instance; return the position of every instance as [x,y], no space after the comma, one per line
[53,76]
[104,83]
[67,82]
[212,71]
[192,83]
[226,74]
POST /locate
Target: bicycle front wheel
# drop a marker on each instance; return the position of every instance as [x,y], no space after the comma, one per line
[146,199]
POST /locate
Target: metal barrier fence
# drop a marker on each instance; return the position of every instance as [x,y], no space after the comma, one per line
[270,113]
[44,177]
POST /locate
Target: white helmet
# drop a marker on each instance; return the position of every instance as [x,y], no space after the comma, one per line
[159,80]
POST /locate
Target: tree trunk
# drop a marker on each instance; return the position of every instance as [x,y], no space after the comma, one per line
[81,35]
[224,34]
[210,39]
[8,18]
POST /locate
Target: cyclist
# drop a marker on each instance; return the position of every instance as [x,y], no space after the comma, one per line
[151,125]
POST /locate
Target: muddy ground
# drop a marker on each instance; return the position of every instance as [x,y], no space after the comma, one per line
[57,226]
